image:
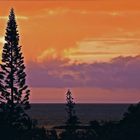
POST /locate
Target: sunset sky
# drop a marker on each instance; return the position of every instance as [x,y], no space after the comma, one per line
[91,47]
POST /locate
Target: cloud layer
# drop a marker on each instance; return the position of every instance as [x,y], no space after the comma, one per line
[120,72]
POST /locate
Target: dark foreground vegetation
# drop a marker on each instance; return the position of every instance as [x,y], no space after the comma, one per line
[127,128]
[16,124]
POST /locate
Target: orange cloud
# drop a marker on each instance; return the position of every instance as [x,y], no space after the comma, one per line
[112,27]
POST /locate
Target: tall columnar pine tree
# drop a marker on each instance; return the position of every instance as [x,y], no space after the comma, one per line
[14,97]
[72,121]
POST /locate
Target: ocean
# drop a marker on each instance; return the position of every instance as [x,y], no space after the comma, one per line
[50,115]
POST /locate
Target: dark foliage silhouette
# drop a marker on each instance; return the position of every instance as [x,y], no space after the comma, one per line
[52,135]
[15,96]
[130,124]
[15,124]
[72,122]
[127,128]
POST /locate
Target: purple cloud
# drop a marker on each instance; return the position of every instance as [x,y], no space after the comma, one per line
[120,72]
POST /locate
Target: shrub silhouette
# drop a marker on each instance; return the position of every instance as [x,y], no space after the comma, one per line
[130,124]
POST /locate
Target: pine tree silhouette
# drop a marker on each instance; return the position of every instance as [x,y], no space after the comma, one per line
[14,97]
[72,121]
[70,132]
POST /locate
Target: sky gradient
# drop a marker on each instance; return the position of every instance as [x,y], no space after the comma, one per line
[91,47]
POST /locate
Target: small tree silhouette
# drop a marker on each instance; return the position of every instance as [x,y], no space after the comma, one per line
[14,96]
[72,120]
